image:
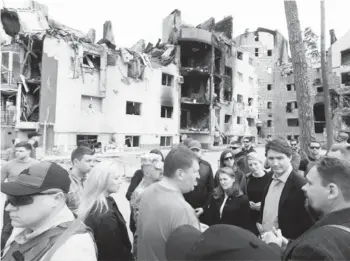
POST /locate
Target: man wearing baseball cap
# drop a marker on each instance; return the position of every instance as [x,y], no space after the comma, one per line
[218,242]
[200,197]
[39,215]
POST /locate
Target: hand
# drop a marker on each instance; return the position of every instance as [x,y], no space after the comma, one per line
[258,206]
[203,227]
[274,236]
[199,211]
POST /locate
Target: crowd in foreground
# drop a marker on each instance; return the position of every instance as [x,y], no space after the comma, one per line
[287,207]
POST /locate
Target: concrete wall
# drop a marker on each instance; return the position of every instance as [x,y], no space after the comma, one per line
[341,44]
[247,86]
[108,112]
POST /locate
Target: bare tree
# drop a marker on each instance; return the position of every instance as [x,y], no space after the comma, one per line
[306,119]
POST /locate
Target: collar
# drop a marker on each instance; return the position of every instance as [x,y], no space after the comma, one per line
[338,217]
[284,176]
[22,235]
[76,177]
[165,183]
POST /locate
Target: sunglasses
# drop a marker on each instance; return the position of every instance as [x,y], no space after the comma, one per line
[229,158]
[18,201]
[314,147]
[234,148]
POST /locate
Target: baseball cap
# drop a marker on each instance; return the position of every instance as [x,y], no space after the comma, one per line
[37,178]
[218,242]
[33,134]
[195,144]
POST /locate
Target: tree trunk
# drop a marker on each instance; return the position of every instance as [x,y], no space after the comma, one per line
[327,101]
[300,67]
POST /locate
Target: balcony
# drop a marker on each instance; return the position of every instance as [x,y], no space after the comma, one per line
[195,34]
[8,118]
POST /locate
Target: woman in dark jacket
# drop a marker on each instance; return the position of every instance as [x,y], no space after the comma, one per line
[228,204]
[227,160]
[101,213]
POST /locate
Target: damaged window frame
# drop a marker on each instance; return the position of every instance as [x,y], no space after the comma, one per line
[228,71]
[132,142]
[166,141]
[166,112]
[250,101]
[93,62]
[256,52]
[251,122]
[269,123]
[269,52]
[269,87]
[239,120]
[167,79]
[269,105]
[293,122]
[228,118]
[240,55]
[135,111]
[239,98]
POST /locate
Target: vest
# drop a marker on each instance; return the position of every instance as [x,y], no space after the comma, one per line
[36,248]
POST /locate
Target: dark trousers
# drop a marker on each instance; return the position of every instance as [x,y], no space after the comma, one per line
[6,229]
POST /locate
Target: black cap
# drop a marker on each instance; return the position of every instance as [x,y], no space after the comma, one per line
[218,242]
[33,134]
[37,178]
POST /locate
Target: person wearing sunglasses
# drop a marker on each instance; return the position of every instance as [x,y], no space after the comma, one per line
[227,159]
[314,156]
[39,215]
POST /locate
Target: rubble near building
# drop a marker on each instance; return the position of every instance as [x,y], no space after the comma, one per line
[48,68]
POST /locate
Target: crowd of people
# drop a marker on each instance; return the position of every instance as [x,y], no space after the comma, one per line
[289,206]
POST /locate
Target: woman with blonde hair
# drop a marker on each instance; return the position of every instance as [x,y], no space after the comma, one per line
[228,205]
[257,181]
[101,213]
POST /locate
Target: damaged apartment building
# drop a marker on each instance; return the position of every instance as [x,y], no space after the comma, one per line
[60,82]
[207,62]
[278,107]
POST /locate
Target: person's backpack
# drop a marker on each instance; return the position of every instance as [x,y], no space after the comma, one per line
[45,244]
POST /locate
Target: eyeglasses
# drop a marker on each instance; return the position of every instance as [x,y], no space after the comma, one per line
[293,144]
[18,201]
[229,158]
[234,148]
[314,147]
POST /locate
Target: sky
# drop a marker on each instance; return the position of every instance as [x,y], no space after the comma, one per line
[133,20]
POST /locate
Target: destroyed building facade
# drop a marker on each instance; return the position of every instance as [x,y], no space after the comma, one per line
[58,81]
[207,57]
[339,81]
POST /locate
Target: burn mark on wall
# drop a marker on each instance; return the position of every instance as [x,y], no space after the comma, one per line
[195,117]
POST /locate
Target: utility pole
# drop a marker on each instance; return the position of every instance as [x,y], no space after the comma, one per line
[327,102]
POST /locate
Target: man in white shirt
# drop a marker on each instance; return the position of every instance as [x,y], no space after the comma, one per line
[283,204]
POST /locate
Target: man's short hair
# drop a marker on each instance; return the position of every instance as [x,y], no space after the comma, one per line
[313,141]
[280,145]
[337,171]
[178,158]
[247,138]
[24,144]
[80,152]
[152,159]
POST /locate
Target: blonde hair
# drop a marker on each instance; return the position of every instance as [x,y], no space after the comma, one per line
[93,198]
[152,159]
[255,156]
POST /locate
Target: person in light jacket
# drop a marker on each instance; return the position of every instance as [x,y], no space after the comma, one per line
[101,213]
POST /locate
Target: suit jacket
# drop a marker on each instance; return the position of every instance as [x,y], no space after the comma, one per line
[322,242]
[201,195]
[235,212]
[293,218]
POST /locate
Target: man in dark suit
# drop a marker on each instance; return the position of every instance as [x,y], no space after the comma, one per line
[283,204]
[328,193]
